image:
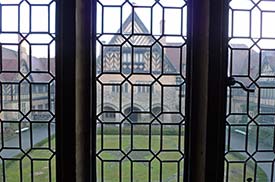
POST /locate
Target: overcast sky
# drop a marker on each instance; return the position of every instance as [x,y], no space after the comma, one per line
[36,16]
[261,21]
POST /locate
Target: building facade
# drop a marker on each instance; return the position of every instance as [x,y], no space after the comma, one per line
[27,89]
[140,77]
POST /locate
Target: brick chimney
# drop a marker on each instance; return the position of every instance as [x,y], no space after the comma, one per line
[23,53]
[23,50]
[162,27]
[162,24]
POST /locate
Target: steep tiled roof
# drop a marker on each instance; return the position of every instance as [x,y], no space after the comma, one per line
[10,63]
[143,38]
[174,56]
[269,58]
[9,54]
[241,56]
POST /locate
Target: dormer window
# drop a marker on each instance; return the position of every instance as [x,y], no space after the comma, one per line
[138,58]
[126,58]
[115,88]
[126,88]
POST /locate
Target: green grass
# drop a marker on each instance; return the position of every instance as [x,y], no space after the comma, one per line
[36,162]
[237,168]
[108,164]
[160,165]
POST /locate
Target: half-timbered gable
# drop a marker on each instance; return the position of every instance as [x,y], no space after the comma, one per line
[140,57]
[138,53]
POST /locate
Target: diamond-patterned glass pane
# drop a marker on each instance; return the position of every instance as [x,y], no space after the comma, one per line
[27,90]
[141,58]
[250,115]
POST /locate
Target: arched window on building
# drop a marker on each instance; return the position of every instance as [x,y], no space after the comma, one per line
[134,116]
[109,114]
[156,111]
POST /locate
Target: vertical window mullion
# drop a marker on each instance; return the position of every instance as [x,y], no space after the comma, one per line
[65,90]
[93,90]
[206,90]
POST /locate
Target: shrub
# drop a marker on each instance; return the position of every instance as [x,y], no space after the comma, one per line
[140,130]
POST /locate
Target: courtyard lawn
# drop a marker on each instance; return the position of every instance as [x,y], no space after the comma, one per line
[236,169]
[42,160]
[164,165]
[108,165]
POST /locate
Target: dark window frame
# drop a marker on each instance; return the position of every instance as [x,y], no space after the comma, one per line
[205,93]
